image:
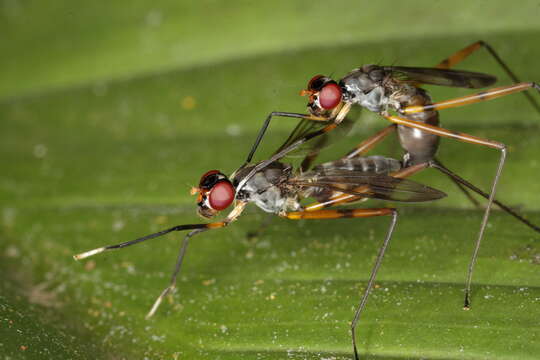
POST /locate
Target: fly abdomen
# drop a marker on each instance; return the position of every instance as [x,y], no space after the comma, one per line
[421,146]
[368,165]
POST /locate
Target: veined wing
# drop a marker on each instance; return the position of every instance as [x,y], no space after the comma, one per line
[443,77]
[316,144]
[368,185]
[303,128]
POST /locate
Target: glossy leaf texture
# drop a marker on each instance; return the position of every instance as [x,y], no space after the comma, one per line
[109,115]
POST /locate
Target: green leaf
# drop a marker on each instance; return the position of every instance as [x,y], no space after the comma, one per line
[30,330]
[110,114]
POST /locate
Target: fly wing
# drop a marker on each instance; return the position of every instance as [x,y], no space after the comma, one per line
[303,128]
[367,185]
[443,77]
[315,145]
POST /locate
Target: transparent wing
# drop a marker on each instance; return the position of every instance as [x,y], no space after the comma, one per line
[443,77]
[303,128]
[368,185]
[315,145]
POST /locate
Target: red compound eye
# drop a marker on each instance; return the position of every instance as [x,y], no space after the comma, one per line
[221,195]
[330,96]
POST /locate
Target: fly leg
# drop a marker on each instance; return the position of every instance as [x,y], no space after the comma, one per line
[336,116]
[370,142]
[461,101]
[471,99]
[195,229]
[473,140]
[466,192]
[459,180]
[459,56]
[177,267]
[266,123]
[355,213]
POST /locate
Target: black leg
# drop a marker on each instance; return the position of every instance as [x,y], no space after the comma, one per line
[461,187]
[266,123]
[177,267]
[459,180]
[369,286]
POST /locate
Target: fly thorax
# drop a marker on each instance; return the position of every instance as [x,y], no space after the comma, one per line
[265,189]
[375,100]
[360,89]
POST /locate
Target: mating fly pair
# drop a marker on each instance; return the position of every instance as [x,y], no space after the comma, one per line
[278,188]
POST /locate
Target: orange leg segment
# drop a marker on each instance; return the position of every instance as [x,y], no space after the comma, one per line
[459,56]
[465,52]
[471,99]
[445,133]
[370,142]
[337,213]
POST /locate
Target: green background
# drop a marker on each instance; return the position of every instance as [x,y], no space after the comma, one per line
[109,112]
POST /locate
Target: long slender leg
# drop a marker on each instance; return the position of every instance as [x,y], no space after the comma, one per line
[195,229]
[337,213]
[474,140]
[465,192]
[371,280]
[172,283]
[459,56]
[283,152]
[336,116]
[437,165]
[356,213]
[262,131]
[462,54]
[471,99]
[462,184]
[370,142]
[93,252]
[411,170]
